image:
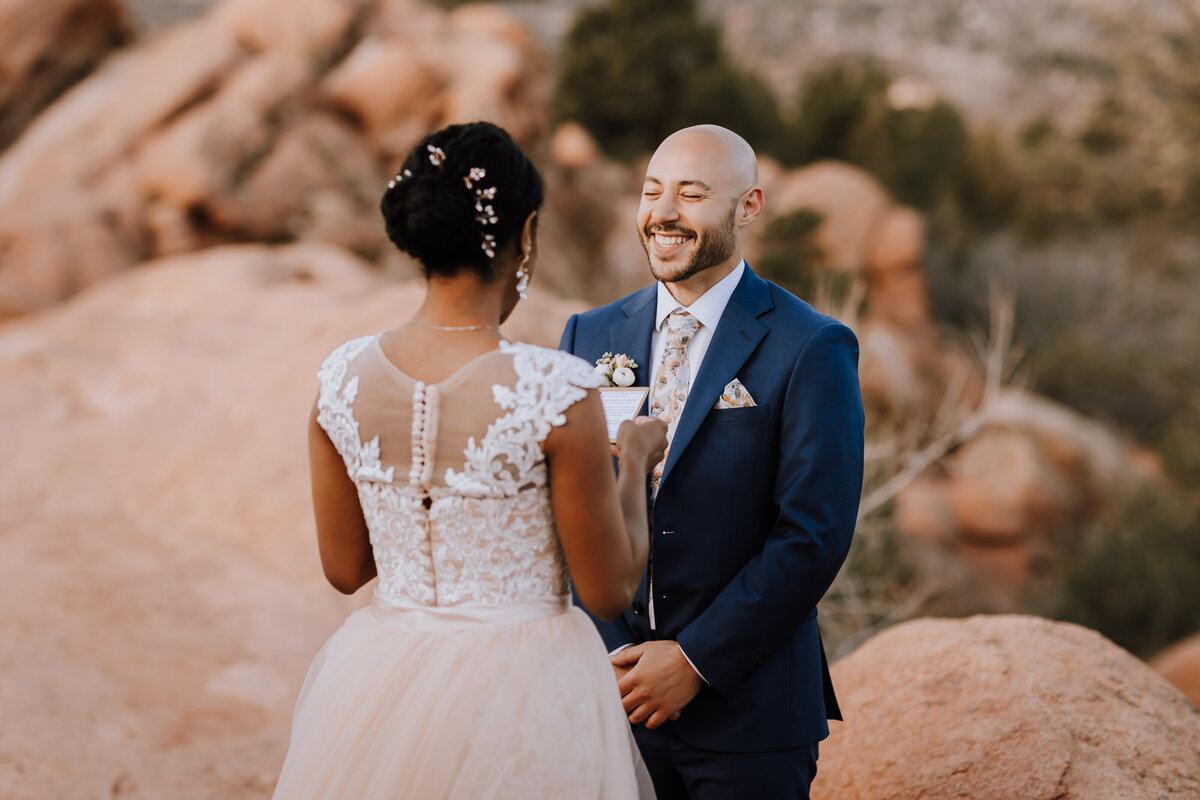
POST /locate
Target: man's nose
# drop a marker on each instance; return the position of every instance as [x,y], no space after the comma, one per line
[664,209]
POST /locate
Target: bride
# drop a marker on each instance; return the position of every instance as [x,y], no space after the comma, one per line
[473,476]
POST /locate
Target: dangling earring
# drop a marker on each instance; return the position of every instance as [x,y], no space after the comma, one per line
[523,278]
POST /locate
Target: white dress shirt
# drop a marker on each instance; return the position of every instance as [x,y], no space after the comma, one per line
[707,309]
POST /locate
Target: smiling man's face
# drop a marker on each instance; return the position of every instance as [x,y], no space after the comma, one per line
[691,197]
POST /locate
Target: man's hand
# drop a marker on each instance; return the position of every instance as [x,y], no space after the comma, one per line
[655,680]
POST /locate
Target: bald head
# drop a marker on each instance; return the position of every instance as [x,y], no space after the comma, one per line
[726,156]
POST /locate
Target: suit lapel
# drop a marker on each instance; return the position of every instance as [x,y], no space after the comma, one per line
[736,337]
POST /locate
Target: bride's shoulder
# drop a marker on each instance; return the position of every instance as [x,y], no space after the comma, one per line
[345,353]
[532,359]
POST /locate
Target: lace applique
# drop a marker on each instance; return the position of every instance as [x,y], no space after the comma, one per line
[509,458]
[488,536]
[335,415]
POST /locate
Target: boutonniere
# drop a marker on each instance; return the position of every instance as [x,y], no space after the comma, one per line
[618,369]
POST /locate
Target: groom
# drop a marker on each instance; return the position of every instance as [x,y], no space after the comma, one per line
[719,659]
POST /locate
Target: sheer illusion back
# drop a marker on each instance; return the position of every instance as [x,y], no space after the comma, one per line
[451,476]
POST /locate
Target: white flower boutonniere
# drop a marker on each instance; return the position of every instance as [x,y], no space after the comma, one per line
[618,369]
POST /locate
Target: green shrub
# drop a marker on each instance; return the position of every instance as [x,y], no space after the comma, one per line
[831,105]
[988,187]
[1133,578]
[1179,445]
[631,76]
[918,153]
[1107,128]
[1103,331]
[1037,132]
[842,111]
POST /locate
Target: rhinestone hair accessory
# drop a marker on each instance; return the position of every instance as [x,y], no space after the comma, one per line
[485,214]
[436,155]
[400,176]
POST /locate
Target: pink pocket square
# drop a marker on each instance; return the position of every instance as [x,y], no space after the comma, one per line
[735,396]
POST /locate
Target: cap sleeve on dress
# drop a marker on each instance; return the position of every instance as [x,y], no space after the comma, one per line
[579,372]
[336,399]
[548,382]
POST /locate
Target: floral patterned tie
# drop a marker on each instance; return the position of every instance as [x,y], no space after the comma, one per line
[672,379]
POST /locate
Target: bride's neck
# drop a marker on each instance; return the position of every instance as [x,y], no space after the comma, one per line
[461,300]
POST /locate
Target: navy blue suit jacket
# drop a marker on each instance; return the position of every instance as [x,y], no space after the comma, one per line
[754,514]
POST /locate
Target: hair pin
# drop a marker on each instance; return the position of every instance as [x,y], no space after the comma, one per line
[476,174]
[400,176]
[486,214]
[436,155]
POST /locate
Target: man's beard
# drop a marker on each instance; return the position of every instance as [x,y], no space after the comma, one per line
[714,247]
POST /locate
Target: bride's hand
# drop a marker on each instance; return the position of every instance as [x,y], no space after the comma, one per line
[643,440]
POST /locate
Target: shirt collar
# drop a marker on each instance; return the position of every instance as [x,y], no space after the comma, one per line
[711,305]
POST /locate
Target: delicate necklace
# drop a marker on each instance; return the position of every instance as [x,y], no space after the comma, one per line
[455,327]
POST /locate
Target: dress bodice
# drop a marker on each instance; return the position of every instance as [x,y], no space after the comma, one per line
[452,476]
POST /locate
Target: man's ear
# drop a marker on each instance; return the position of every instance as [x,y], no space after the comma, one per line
[750,207]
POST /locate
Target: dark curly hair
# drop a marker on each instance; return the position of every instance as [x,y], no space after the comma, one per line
[430,210]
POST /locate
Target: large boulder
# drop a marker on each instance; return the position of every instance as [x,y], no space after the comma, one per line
[47,46]
[1003,707]
[69,181]
[105,118]
[158,564]
[317,165]
[1180,664]
[1032,470]
[311,29]
[897,292]
[850,201]
[572,147]
[204,153]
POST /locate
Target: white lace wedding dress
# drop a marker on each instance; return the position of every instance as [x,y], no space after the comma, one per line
[469,675]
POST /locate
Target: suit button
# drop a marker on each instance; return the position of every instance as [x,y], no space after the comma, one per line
[638,608]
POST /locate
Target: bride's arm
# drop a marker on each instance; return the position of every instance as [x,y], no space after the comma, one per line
[601,518]
[341,528]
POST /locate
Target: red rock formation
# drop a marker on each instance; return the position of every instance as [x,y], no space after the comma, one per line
[1003,707]
[572,146]
[183,142]
[850,201]
[47,46]
[1033,469]
[1180,664]
[895,271]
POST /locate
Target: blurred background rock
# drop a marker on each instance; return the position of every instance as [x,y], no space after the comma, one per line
[1002,199]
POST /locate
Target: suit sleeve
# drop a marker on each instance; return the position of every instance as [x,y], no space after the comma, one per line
[817,488]
[615,634]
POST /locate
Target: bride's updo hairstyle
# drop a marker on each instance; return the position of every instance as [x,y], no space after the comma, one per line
[461,199]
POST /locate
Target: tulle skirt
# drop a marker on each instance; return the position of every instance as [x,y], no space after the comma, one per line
[515,701]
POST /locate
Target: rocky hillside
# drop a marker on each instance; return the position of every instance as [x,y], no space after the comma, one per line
[1000,61]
